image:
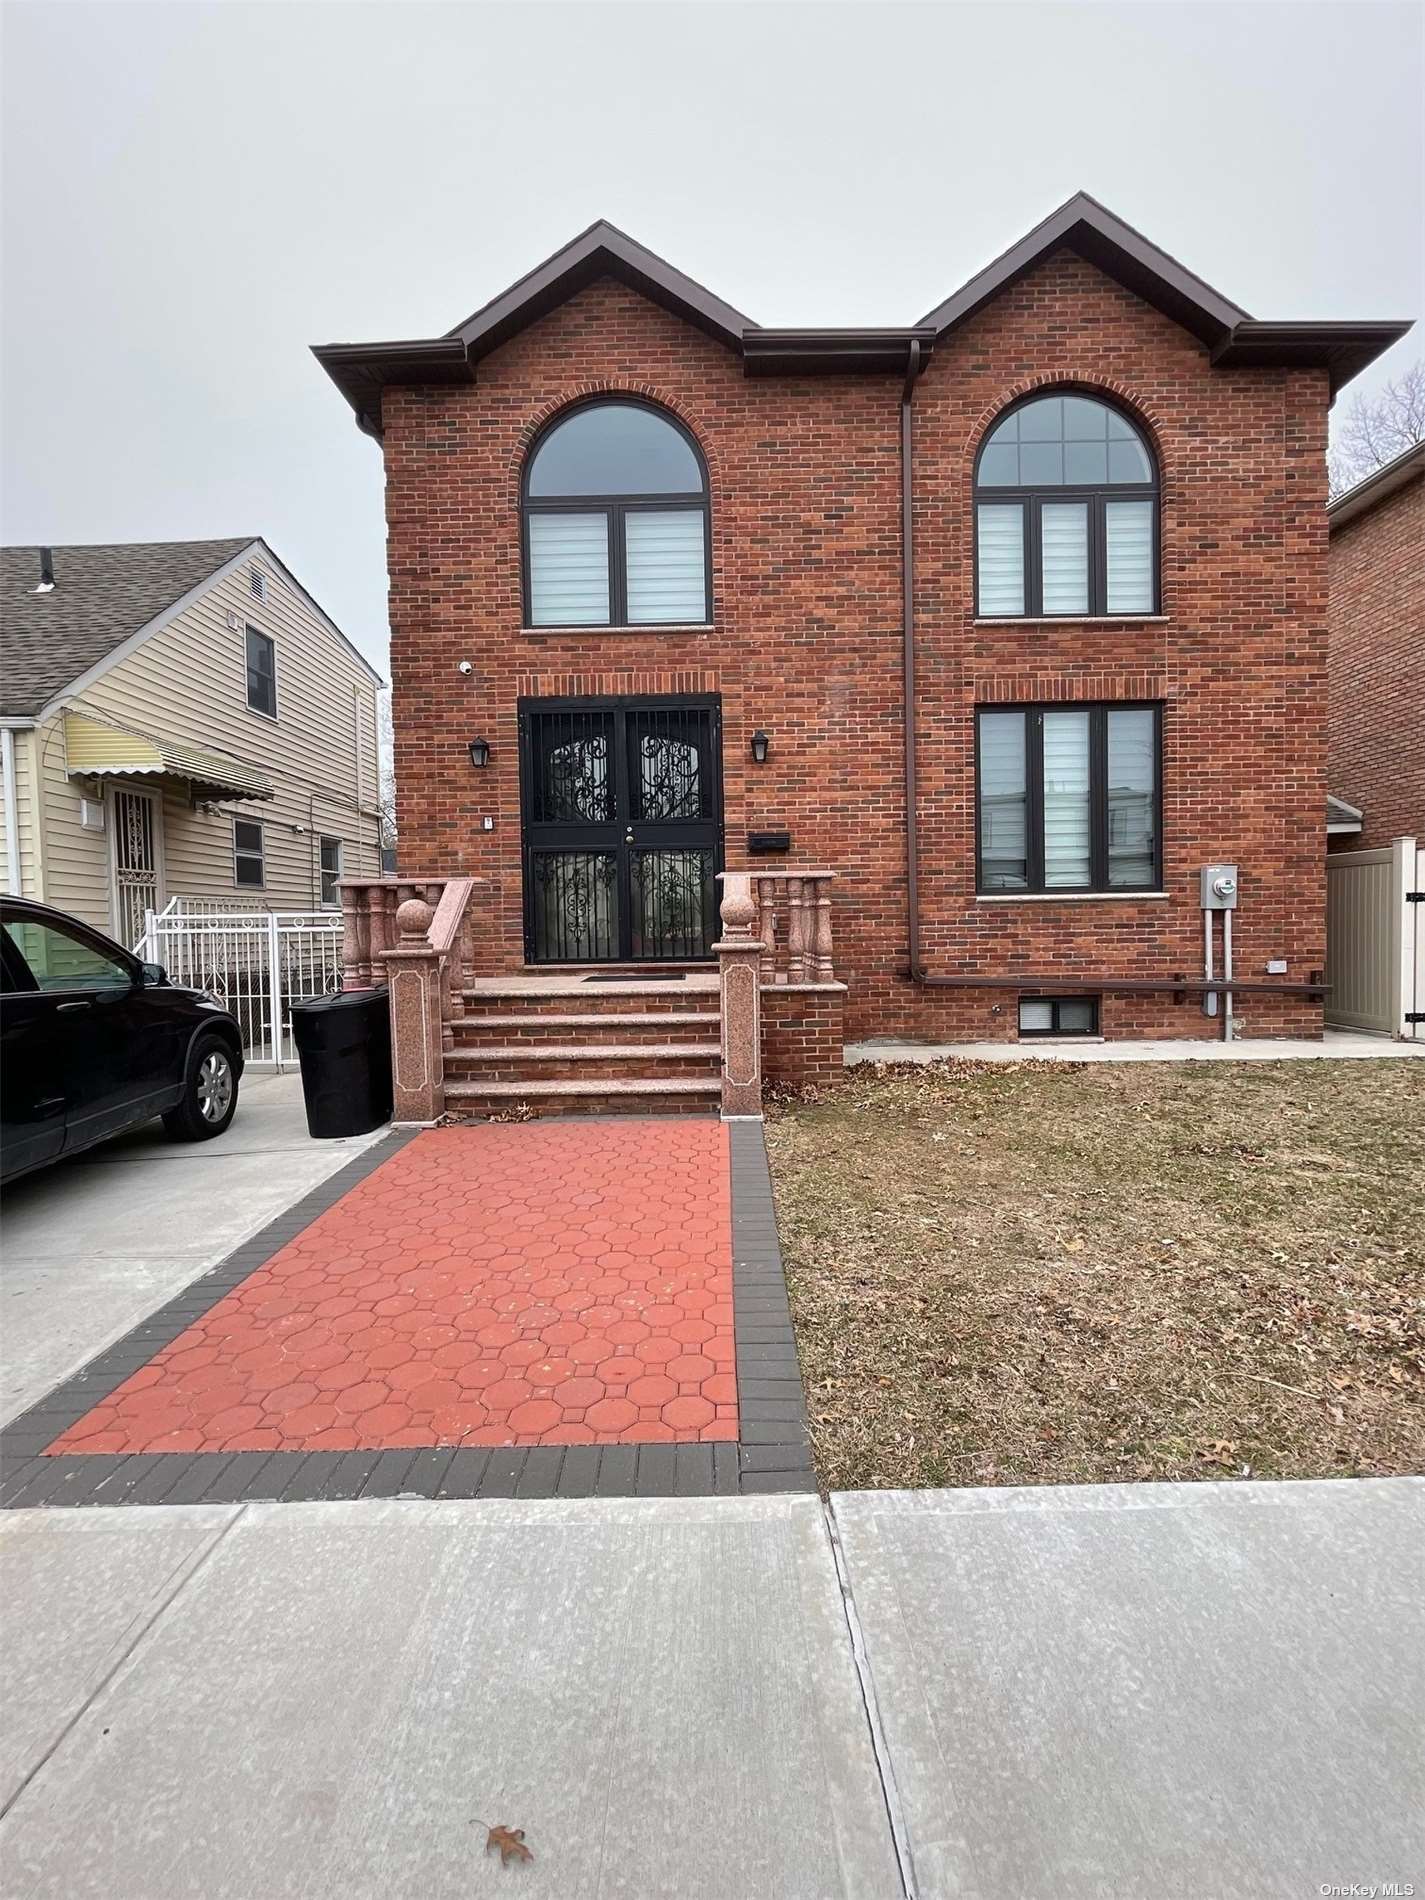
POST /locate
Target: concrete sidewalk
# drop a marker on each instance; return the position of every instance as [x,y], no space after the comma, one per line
[93,1245]
[1145,1692]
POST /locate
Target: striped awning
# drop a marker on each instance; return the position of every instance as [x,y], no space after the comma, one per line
[95,750]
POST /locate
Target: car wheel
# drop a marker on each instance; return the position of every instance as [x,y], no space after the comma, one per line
[210,1093]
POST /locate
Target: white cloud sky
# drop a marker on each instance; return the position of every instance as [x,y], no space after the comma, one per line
[193,193]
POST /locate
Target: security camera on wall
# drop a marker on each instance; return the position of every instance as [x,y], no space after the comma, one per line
[466,668]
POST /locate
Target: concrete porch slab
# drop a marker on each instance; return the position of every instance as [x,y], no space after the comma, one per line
[1165,1690]
[342,1697]
[1335,1045]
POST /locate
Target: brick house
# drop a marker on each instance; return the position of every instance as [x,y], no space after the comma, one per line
[1376,655]
[710,597]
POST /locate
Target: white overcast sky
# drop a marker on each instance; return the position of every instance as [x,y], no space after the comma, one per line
[193,193]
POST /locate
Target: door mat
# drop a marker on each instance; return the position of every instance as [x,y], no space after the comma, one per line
[635,976]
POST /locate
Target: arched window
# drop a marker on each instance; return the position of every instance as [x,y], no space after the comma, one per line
[616,521]
[1066,512]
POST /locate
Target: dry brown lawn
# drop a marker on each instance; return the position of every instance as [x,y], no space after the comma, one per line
[1045,1273]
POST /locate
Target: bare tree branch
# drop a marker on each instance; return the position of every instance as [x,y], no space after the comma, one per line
[1377,429]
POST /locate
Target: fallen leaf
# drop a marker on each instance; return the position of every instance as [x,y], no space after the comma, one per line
[510,1841]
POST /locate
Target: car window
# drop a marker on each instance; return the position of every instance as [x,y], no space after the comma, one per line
[61,960]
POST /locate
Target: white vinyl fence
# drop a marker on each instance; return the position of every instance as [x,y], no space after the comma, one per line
[256,963]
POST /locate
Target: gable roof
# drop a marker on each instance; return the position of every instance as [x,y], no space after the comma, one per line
[1091,231]
[102,595]
[600,251]
[1377,487]
[1233,339]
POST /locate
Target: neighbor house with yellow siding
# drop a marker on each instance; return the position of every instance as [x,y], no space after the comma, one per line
[179,719]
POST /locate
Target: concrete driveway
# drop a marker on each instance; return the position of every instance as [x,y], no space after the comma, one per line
[93,1245]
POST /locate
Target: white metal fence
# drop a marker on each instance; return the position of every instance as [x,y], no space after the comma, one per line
[256,963]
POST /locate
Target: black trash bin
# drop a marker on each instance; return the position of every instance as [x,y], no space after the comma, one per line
[344,1043]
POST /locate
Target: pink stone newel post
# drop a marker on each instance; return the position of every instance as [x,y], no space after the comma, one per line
[739,956]
[414,973]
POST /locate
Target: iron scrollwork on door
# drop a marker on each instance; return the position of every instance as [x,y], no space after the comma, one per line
[622,827]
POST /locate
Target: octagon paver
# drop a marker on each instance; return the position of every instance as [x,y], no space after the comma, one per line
[551,1283]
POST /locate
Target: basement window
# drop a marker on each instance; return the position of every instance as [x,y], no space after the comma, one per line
[1058,1016]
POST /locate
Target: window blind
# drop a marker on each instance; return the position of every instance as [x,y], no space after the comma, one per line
[1066,800]
[663,554]
[1064,556]
[569,570]
[1128,531]
[1001,557]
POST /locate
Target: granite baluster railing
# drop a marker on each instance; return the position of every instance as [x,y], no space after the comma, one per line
[413,934]
[792,918]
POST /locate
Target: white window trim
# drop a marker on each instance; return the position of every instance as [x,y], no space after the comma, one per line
[323,840]
[260,854]
[260,712]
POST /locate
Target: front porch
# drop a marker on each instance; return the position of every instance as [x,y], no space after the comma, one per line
[470,1043]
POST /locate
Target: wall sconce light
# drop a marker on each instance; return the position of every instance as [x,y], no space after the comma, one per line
[480,752]
[760,744]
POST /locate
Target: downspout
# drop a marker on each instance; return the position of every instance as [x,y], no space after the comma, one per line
[12,813]
[913,369]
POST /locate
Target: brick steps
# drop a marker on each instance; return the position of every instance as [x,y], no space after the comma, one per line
[559,1046]
[643,1095]
[508,995]
[536,1027]
[574,1061]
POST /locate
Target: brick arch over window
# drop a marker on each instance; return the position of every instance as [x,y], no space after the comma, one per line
[615,509]
[1067,495]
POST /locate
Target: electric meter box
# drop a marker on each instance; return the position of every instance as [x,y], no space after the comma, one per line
[1219,887]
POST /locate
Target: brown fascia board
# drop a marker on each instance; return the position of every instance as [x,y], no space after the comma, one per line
[362,370]
[822,352]
[1378,487]
[601,251]
[1089,229]
[1344,349]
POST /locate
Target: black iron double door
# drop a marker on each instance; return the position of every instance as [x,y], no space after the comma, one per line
[622,815]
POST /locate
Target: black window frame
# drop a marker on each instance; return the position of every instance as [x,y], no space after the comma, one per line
[259,855]
[1098,884]
[251,633]
[1056,1028]
[1032,496]
[615,508]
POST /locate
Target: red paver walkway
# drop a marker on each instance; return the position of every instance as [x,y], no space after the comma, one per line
[553,1283]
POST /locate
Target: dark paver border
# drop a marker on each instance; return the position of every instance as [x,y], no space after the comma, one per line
[772,1452]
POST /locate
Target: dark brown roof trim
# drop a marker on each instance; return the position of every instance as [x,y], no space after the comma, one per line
[362,370]
[1089,229]
[601,251]
[1345,349]
[1368,494]
[830,352]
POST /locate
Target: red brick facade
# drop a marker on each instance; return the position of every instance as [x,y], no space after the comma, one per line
[806,636]
[1377,667]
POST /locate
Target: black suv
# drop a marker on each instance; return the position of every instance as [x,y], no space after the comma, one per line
[93,1041]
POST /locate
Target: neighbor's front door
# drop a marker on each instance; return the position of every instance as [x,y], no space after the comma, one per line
[622,804]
